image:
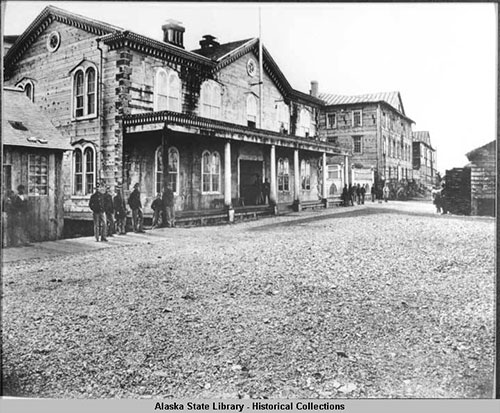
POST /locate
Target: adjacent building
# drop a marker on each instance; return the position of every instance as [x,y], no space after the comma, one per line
[375,129]
[424,159]
[483,179]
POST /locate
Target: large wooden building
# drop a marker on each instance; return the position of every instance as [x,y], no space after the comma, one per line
[32,151]
[424,160]
[375,129]
[211,121]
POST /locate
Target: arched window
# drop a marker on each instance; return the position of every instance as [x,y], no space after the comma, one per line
[305,174]
[283,175]
[283,117]
[251,111]
[210,171]
[29,90]
[173,168]
[167,91]
[158,170]
[305,123]
[84,166]
[211,99]
[85,91]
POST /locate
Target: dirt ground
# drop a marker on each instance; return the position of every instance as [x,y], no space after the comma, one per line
[386,300]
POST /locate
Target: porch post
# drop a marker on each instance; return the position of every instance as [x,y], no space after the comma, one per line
[346,170]
[227,181]
[325,174]
[296,179]
[272,194]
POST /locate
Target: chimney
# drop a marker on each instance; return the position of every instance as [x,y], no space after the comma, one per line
[173,33]
[314,89]
[208,41]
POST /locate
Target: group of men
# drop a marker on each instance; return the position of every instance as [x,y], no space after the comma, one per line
[14,217]
[356,193]
[110,212]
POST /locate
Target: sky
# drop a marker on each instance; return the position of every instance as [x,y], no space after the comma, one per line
[441,57]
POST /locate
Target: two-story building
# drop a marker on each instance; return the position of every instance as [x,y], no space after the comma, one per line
[424,159]
[215,122]
[374,129]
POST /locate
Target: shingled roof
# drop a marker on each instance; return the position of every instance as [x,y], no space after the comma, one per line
[24,125]
[482,151]
[422,136]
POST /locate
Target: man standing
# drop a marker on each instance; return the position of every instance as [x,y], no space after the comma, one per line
[109,210]
[19,208]
[168,205]
[385,192]
[362,191]
[266,191]
[96,204]
[157,207]
[134,201]
[120,209]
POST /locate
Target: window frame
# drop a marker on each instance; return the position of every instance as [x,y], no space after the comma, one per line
[283,174]
[38,175]
[158,183]
[305,174]
[357,140]
[84,69]
[305,121]
[251,118]
[173,150]
[360,111]
[328,122]
[210,174]
[84,172]
[283,117]
[171,94]
[211,100]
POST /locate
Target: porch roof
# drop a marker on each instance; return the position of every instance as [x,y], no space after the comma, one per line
[224,130]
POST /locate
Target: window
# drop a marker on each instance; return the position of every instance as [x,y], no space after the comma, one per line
[333,171]
[305,174]
[385,146]
[283,175]
[85,92]
[305,123]
[333,140]
[84,170]
[167,91]
[357,147]
[38,179]
[173,168]
[283,117]
[29,90]
[331,120]
[210,168]
[251,111]
[211,99]
[356,118]
[158,170]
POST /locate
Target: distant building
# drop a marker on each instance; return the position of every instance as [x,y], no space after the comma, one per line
[375,129]
[483,179]
[424,159]
[32,156]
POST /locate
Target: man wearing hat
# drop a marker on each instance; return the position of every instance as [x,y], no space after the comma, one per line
[134,201]
[120,209]
[109,210]
[96,204]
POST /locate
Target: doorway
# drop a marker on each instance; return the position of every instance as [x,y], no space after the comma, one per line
[250,181]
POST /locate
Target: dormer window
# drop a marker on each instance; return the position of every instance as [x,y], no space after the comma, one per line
[85,91]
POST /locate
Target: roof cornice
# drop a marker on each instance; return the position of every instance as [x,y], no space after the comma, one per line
[42,21]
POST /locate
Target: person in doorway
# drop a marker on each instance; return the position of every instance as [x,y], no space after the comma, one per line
[168,206]
[109,211]
[157,207]
[134,201]
[120,209]
[96,204]
[385,192]
[266,191]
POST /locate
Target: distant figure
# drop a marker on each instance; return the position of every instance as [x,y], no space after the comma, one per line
[358,193]
[362,192]
[120,209]
[266,191]
[134,201]
[8,218]
[109,210]
[385,192]
[19,214]
[345,196]
[352,191]
[157,207]
[436,198]
[168,206]
[96,204]
[258,190]
[373,192]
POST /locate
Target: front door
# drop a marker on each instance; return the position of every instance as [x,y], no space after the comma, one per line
[250,181]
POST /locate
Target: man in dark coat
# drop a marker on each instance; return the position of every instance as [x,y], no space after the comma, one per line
[19,212]
[120,209]
[345,196]
[109,211]
[134,201]
[168,206]
[157,207]
[266,191]
[352,191]
[358,194]
[96,204]
[362,191]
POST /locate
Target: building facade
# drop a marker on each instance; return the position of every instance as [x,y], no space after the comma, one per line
[424,159]
[375,130]
[483,179]
[213,122]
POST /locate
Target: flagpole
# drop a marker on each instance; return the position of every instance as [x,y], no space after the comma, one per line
[261,97]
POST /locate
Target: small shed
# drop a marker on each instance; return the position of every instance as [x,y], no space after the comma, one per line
[32,152]
[483,179]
